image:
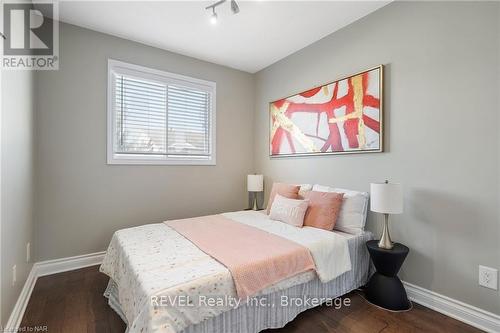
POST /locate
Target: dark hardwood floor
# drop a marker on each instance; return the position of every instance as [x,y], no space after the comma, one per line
[73,302]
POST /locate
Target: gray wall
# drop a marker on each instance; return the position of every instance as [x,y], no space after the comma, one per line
[81,200]
[17,184]
[441,131]
[442,87]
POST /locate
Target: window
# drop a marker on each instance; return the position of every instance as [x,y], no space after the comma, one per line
[155,117]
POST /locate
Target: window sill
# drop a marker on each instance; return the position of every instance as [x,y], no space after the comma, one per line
[118,160]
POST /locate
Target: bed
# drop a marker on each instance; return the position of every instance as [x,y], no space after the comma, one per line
[155,274]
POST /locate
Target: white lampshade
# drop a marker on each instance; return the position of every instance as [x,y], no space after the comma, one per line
[386,198]
[255,183]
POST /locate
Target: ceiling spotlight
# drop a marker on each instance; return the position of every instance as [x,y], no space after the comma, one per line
[213,17]
[234,7]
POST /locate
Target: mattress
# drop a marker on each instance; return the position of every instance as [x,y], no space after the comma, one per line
[276,308]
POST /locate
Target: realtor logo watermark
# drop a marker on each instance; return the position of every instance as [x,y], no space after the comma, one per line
[30,35]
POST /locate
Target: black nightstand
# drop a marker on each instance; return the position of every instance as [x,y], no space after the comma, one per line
[385,288]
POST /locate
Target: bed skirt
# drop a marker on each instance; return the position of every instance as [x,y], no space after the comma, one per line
[253,319]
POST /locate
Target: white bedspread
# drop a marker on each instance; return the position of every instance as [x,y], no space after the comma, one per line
[155,262]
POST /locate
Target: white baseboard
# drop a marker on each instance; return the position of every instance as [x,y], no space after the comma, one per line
[68,264]
[18,312]
[466,313]
[43,268]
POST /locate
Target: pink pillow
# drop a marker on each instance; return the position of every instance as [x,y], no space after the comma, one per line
[290,211]
[324,208]
[285,190]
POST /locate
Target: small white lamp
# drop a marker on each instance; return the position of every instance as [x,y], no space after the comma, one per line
[255,184]
[386,198]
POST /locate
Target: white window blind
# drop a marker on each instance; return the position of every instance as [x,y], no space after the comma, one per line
[188,121]
[141,116]
[159,117]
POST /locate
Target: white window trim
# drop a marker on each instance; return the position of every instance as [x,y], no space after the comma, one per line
[161,76]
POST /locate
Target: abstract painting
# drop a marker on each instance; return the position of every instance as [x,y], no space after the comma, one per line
[344,116]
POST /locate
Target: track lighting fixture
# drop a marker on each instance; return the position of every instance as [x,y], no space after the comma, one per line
[213,18]
[234,8]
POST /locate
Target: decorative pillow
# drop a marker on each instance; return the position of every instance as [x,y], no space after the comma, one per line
[285,190]
[323,209]
[290,211]
[352,216]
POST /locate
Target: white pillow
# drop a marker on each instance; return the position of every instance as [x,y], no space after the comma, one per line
[290,211]
[304,188]
[354,209]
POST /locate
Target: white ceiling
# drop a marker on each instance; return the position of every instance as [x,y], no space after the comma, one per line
[262,33]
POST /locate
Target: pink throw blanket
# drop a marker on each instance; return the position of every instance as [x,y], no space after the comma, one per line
[255,258]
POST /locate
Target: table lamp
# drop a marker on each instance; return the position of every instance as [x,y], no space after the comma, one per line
[255,184]
[386,198]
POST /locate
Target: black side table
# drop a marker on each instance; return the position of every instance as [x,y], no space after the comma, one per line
[385,288]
